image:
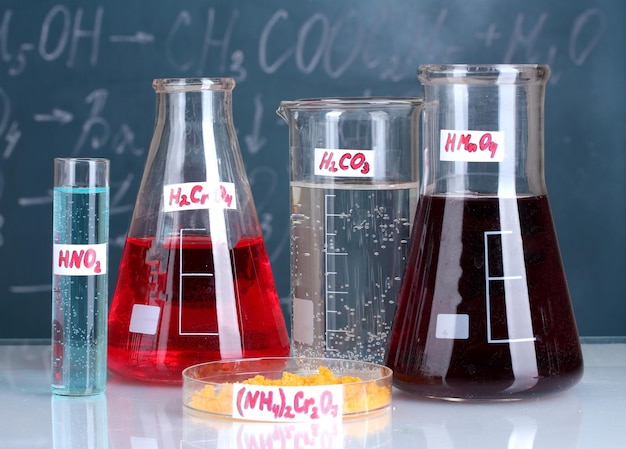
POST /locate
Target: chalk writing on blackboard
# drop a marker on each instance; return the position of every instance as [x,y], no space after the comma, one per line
[136,38]
[50,46]
[580,44]
[69,75]
[179,34]
[9,129]
[96,130]
[66,33]
[254,140]
[56,115]
[268,177]
[592,21]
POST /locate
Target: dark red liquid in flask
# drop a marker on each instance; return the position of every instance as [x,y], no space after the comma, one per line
[484,311]
[153,276]
[457,333]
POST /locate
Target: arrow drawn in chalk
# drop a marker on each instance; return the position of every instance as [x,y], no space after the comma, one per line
[57,115]
[254,141]
[138,38]
[12,136]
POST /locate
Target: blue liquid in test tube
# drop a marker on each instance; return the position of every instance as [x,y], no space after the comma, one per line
[80,280]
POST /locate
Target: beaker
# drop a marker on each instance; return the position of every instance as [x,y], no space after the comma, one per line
[354,185]
[484,311]
[195,282]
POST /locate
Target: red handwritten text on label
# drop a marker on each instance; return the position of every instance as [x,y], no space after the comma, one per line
[199,195]
[287,403]
[344,163]
[79,260]
[318,435]
[472,146]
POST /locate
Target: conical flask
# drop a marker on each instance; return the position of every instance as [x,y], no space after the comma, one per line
[195,282]
[484,310]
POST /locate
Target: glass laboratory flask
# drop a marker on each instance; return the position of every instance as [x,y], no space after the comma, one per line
[195,282]
[484,310]
[354,184]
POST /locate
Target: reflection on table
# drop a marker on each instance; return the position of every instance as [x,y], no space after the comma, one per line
[142,416]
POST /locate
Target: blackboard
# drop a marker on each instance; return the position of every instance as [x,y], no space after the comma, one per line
[75,80]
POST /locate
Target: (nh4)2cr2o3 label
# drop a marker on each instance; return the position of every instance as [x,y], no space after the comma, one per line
[287,404]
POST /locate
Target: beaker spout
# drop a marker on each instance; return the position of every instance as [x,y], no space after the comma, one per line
[282,112]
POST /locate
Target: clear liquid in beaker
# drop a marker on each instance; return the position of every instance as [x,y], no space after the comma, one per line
[349,247]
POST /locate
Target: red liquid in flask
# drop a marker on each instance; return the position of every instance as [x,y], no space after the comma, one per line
[187,334]
[455,334]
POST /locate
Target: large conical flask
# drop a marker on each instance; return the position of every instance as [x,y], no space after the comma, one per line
[484,310]
[194,282]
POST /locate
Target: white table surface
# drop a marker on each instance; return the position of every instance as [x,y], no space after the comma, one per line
[141,416]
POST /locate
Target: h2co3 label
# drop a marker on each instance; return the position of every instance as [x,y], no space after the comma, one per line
[344,163]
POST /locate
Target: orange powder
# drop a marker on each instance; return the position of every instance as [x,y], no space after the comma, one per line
[358,397]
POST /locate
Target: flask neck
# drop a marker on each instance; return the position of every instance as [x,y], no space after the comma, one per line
[194,164]
[194,131]
[194,108]
[483,129]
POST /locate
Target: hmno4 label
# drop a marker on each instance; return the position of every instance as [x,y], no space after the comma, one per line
[344,163]
[471,146]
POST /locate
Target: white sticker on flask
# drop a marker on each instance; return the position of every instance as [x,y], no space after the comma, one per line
[452,326]
[199,195]
[143,443]
[144,319]
[344,163]
[287,404]
[79,260]
[471,146]
[303,317]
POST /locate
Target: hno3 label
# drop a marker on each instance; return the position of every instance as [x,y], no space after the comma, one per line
[79,260]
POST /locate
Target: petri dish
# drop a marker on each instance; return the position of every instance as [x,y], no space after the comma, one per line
[287,389]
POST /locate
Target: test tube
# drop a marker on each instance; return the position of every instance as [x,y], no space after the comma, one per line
[79,276]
